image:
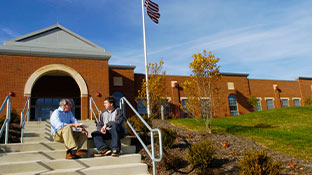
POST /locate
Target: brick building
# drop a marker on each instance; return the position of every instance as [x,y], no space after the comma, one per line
[55,63]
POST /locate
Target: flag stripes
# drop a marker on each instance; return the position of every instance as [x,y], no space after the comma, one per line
[152,10]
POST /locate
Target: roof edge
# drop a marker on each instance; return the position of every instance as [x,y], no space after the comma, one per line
[121,67]
[60,53]
[304,78]
[51,28]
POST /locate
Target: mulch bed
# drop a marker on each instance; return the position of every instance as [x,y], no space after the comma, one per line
[226,157]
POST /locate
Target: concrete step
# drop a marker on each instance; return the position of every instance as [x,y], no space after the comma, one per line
[49,146]
[38,146]
[34,134]
[119,169]
[37,139]
[37,130]
[63,164]
[51,155]
[48,139]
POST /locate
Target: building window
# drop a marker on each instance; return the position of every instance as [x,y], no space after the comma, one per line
[270,104]
[284,102]
[258,108]
[141,106]
[233,105]
[117,81]
[184,100]
[45,107]
[296,102]
[166,104]
[117,95]
[205,104]
[230,85]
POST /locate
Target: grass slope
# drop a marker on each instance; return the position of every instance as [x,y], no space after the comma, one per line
[286,130]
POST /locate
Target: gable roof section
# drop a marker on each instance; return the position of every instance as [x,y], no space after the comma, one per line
[54,41]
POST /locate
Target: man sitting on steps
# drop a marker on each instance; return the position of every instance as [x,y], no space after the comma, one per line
[65,128]
[110,126]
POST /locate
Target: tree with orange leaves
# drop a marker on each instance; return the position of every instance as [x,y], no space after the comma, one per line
[202,89]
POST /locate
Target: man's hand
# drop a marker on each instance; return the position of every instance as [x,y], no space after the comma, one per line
[76,125]
[85,132]
[103,129]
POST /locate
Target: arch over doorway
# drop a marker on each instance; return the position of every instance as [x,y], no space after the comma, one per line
[56,68]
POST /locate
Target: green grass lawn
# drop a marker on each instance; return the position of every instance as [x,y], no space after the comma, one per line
[286,130]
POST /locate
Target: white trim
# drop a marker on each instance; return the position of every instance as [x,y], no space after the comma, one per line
[230,85]
[183,98]
[269,98]
[285,98]
[169,99]
[56,68]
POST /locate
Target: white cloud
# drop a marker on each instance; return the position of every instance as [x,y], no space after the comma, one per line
[9,32]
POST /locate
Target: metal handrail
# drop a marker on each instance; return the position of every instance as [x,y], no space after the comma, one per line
[6,123]
[24,117]
[92,113]
[151,155]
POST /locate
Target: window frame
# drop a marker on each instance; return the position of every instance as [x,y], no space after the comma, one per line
[269,98]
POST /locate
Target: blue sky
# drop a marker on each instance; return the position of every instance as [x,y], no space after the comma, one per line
[268,39]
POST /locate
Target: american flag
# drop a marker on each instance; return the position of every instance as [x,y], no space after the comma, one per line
[152,10]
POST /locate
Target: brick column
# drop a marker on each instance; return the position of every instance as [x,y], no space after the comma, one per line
[85,108]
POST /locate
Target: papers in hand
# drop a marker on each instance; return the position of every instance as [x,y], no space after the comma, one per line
[83,125]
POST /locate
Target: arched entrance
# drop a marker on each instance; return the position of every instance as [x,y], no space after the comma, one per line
[49,90]
[47,85]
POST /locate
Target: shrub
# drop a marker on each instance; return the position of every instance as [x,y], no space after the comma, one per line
[171,161]
[252,100]
[15,117]
[168,137]
[138,125]
[258,162]
[201,154]
[308,101]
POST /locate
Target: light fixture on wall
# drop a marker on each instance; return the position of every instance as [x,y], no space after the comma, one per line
[174,84]
[98,94]
[12,94]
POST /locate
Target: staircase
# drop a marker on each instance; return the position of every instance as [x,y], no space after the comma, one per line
[40,155]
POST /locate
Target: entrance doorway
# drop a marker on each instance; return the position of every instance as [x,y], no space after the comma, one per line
[45,107]
[47,93]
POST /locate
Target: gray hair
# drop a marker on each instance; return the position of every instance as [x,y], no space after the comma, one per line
[64,102]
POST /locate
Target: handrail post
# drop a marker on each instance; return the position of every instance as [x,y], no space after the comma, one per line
[153,153]
[25,117]
[123,100]
[8,116]
[90,108]
[92,111]
[22,126]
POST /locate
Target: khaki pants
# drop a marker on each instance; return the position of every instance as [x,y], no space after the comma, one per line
[71,139]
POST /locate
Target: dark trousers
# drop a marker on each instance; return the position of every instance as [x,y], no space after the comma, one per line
[115,133]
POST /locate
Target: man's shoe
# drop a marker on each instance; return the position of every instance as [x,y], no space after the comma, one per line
[115,153]
[82,153]
[104,152]
[69,155]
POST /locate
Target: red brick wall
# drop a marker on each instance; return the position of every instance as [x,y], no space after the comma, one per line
[241,92]
[305,89]
[264,88]
[15,71]
[128,87]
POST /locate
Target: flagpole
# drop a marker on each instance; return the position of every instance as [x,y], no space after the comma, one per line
[145,59]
